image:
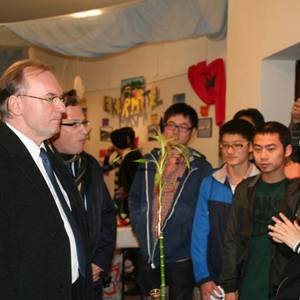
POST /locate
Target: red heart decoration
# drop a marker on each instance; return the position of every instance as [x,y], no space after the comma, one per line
[208,82]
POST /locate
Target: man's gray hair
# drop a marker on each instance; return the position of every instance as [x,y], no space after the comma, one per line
[12,82]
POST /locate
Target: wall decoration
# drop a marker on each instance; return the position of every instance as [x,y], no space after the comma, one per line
[152,131]
[79,86]
[153,98]
[112,105]
[154,119]
[105,134]
[133,100]
[105,122]
[209,83]
[204,110]
[204,128]
[134,103]
[179,98]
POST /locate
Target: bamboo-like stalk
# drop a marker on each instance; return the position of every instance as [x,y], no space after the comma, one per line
[160,233]
[165,150]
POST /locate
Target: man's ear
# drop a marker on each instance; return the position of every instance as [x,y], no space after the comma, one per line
[14,105]
[288,150]
[193,132]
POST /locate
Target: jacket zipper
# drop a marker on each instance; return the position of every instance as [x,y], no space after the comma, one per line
[151,257]
[281,284]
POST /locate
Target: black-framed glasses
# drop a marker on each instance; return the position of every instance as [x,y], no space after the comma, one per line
[234,146]
[50,99]
[76,124]
[181,128]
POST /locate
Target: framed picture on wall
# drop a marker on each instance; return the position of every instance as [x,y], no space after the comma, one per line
[105,134]
[204,128]
[152,131]
[179,98]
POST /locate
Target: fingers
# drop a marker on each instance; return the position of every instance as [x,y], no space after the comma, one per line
[296,224]
[277,237]
[285,220]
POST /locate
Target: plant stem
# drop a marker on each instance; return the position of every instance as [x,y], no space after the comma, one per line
[162,268]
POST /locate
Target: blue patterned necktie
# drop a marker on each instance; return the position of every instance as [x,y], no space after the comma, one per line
[67,211]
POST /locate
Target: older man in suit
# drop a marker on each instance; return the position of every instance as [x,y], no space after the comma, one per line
[43,248]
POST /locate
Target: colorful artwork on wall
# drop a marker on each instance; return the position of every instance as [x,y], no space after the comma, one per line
[105,134]
[134,103]
[204,128]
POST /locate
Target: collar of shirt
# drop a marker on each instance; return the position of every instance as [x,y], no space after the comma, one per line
[30,145]
[222,174]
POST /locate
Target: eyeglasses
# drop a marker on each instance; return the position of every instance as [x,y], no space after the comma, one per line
[234,146]
[51,99]
[77,124]
[181,128]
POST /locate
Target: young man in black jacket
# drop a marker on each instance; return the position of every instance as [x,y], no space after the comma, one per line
[88,176]
[252,264]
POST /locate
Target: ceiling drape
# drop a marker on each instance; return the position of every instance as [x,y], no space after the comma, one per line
[148,21]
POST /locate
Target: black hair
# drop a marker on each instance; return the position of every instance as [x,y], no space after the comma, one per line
[70,98]
[237,126]
[123,138]
[181,109]
[274,127]
[254,114]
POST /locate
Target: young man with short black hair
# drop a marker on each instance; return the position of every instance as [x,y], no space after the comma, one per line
[179,202]
[252,265]
[214,202]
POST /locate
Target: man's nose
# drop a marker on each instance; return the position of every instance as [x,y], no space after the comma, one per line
[85,129]
[60,106]
[264,154]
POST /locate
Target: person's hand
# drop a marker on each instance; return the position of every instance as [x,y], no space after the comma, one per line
[96,271]
[292,170]
[110,150]
[285,231]
[231,296]
[207,289]
[296,111]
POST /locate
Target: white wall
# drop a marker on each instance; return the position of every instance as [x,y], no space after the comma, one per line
[256,30]
[163,65]
[277,86]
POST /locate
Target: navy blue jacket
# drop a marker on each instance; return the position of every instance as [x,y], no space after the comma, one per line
[177,226]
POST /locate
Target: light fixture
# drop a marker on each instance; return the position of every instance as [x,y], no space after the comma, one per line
[87,13]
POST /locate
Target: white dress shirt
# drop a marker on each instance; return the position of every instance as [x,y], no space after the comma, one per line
[34,151]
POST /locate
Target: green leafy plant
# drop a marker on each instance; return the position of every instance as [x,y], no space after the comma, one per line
[167,149]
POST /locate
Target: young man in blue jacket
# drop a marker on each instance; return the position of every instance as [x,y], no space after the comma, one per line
[179,202]
[214,203]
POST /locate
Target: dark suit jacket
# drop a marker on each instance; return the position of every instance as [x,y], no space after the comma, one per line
[35,258]
[101,214]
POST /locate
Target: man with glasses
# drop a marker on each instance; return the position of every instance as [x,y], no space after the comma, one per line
[214,204]
[43,242]
[181,186]
[88,176]
[252,264]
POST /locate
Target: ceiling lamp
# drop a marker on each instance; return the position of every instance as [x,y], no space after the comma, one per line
[87,13]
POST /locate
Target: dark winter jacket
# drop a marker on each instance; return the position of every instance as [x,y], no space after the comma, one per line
[177,226]
[239,231]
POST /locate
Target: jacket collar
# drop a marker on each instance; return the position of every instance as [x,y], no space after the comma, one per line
[222,174]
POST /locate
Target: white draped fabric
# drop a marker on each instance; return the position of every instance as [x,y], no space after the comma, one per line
[146,22]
